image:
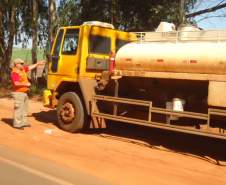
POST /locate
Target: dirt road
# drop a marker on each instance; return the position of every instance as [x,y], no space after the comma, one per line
[122,154]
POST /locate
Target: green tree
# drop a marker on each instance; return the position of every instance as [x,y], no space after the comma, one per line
[52,22]
[34,26]
[147,14]
[16,20]
[8,24]
[131,15]
[70,12]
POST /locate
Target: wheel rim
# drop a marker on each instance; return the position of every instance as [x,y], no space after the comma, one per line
[67,113]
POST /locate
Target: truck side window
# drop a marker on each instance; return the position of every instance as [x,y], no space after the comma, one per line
[99,44]
[120,43]
[56,50]
[70,42]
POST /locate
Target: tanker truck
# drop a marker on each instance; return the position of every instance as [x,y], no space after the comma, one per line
[167,79]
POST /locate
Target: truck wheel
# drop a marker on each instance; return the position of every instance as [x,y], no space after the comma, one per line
[70,112]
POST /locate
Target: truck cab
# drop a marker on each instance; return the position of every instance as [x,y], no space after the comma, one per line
[79,55]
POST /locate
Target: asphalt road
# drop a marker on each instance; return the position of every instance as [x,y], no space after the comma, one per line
[17,168]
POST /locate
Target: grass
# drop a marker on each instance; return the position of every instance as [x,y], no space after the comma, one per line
[25,54]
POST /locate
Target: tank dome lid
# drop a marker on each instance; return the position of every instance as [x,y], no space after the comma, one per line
[165,27]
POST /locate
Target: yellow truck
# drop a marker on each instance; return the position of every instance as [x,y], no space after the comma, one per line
[167,79]
[79,55]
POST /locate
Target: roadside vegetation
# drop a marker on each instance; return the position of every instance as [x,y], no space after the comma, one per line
[25,54]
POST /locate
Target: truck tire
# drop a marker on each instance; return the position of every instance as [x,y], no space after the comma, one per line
[70,112]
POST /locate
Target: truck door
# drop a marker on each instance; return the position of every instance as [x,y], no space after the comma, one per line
[69,53]
[56,52]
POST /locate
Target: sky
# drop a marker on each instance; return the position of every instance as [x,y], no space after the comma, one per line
[213,20]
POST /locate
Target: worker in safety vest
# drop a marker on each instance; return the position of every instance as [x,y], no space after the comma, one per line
[20,88]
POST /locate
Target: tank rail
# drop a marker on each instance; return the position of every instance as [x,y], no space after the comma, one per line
[202,35]
[100,116]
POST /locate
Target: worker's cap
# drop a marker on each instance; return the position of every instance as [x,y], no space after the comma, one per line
[18,61]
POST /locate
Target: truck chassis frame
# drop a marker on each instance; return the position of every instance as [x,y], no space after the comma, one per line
[99,116]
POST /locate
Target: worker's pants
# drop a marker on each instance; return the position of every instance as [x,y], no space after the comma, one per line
[20,109]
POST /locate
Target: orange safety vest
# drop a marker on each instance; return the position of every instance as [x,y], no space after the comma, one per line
[22,78]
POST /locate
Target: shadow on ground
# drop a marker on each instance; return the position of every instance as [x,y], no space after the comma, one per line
[46,116]
[8,121]
[204,148]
